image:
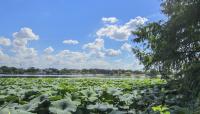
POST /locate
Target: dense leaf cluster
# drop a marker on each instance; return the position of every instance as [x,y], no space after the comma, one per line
[86,96]
[172,47]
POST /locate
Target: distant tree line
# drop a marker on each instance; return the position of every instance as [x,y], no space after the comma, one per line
[65,71]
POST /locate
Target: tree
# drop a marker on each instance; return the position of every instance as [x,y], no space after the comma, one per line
[152,73]
[173,46]
[5,70]
[32,70]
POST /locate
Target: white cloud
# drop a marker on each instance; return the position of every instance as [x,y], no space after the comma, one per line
[120,32]
[71,56]
[100,54]
[98,44]
[26,33]
[93,54]
[96,54]
[126,47]
[21,39]
[3,57]
[112,52]
[48,50]
[109,20]
[73,42]
[63,53]
[26,53]
[96,48]
[97,63]
[5,41]
[19,42]
[116,32]
[134,23]
[50,58]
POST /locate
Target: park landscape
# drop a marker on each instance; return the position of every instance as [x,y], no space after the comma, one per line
[168,49]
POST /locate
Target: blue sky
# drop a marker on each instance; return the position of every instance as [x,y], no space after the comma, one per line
[72,33]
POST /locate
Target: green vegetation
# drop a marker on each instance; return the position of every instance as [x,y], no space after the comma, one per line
[172,47]
[54,71]
[83,96]
[88,96]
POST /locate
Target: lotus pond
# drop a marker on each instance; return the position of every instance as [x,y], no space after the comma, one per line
[82,96]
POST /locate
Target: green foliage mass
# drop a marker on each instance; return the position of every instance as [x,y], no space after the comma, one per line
[83,96]
[172,47]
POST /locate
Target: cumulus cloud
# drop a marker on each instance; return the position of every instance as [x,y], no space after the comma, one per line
[99,54]
[48,50]
[5,41]
[109,20]
[26,53]
[97,48]
[73,42]
[71,56]
[115,32]
[3,57]
[98,44]
[112,52]
[121,32]
[126,47]
[19,42]
[134,23]
[50,58]
[26,33]
[21,39]
[92,54]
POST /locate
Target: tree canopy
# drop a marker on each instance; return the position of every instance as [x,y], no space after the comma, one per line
[172,46]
